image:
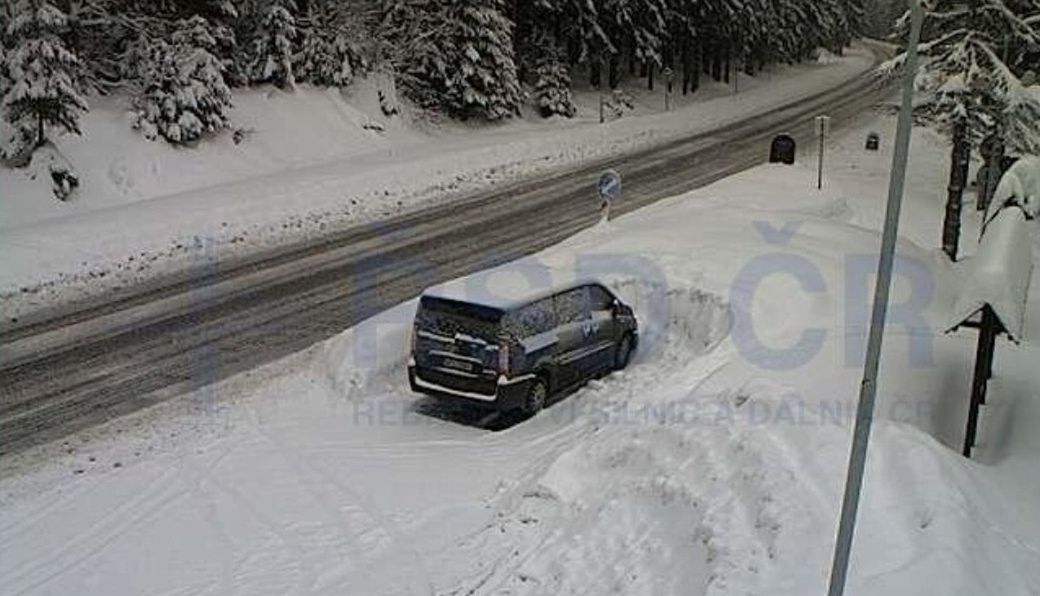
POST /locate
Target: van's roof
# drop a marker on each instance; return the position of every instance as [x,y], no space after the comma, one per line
[509,286]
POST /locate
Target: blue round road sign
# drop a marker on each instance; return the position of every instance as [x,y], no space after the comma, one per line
[610,185]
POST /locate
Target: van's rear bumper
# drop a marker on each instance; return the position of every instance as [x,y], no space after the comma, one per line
[500,394]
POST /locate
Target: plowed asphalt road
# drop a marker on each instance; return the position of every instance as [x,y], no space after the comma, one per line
[86,367]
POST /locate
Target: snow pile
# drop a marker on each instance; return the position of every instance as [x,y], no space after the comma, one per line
[722,500]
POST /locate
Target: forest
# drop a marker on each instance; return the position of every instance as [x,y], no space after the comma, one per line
[177,62]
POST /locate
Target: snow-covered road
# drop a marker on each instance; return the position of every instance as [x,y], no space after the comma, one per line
[712,466]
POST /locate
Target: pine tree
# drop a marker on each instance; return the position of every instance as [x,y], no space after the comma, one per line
[331,51]
[456,56]
[183,92]
[418,49]
[42,92]
[484,81]
[970,91]
[273,47]
[552,88]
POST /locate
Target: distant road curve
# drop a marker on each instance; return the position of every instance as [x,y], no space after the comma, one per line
[89,366]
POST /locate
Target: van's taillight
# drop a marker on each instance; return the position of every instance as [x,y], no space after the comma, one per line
[503,358]
[415,332]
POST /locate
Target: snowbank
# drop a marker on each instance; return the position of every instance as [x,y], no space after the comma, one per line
[309,166]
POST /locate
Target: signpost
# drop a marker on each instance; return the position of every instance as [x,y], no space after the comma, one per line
[609,188]
[823,128]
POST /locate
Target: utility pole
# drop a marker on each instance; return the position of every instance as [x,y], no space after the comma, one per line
[868,388]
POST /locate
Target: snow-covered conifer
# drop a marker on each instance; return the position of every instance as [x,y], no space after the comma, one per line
[970,92]
[42,91]
[965,77]
[552,86]
[483,80]
[183,92]
[330,51]
[273,47]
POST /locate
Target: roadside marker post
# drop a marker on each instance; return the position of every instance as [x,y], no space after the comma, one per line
[609,189]
[669,77]
[868,388]
[823,128]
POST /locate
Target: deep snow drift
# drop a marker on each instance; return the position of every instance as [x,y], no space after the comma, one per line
[714,465]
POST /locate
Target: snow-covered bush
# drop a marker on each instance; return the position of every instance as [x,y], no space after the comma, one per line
[619,102]
[273,48]
[41,91]
[183,93]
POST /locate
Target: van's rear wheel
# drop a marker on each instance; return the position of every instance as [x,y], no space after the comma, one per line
[535,399]
[623,353]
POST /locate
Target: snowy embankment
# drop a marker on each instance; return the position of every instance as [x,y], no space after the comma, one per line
[311,163]
[713,465]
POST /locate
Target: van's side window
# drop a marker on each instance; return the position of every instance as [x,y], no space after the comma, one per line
[600,299]
[573,306]
[532,319]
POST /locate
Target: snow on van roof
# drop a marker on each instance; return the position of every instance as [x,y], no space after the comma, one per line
[509,286]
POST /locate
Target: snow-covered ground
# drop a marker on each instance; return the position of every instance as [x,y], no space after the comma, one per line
[713,465]
[311,163]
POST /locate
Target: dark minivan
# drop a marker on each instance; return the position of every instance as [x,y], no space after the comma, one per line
[512,355]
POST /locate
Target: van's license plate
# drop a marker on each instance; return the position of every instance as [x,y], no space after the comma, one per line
[458,365]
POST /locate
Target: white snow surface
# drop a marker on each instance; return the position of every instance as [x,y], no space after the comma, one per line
[1000,272]
[311,162]
[707,467]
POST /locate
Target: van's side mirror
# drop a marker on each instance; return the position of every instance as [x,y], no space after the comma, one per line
[615,307]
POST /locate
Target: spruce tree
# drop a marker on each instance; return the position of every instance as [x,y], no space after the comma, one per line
[970,91]
[331,51]
[483,82]
[42,91]
[273,47]
[552,87]
[183,93]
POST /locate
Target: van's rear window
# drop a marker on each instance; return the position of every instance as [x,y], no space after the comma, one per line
[449,317]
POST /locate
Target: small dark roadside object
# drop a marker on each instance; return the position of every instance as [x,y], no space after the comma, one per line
[873,141]
[782,150]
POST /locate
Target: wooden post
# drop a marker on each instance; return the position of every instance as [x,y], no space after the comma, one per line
[988,331]
[959,161]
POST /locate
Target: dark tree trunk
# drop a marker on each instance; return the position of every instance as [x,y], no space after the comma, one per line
[650,76]
[685,66]
[959,161]
[727,68]
[698,59]
[41,136]
[615,71]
